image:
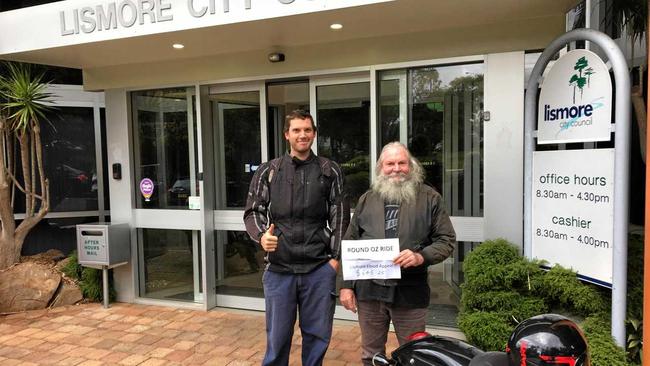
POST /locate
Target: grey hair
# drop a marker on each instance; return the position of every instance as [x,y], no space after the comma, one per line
[416,170]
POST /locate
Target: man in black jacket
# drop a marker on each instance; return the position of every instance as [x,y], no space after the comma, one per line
[399,206]
[296,211]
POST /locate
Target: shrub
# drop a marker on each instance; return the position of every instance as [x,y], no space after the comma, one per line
[490,330]
[603,350]
[503,288]
[72,269]
[89,279]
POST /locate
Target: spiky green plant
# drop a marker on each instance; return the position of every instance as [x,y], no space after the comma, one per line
[24,102]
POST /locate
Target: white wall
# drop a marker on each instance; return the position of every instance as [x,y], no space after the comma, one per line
[117,139]
[503,146]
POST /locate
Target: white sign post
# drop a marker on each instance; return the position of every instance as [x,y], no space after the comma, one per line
[370,259]
[575,104]
[573,211]
[575,75]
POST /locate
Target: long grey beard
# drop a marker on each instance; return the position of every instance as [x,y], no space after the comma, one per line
[396,192]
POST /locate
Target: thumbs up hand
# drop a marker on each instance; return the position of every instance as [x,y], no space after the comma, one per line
[269,241]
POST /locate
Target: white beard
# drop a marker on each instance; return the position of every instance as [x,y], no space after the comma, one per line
[403,189]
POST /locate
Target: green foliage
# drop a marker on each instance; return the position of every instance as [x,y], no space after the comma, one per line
[489,330]
[634,342]
[72,269]
[91,284]
[89,279]
[634,320]
[503,288]
[24,96]
[603,350]
[561,286]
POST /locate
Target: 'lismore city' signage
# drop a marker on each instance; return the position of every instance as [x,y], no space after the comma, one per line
[575,104]
[73,22]
[127,13]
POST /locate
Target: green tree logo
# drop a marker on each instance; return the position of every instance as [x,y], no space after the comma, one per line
[578,80]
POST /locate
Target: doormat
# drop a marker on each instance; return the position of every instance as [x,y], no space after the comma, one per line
[442,315]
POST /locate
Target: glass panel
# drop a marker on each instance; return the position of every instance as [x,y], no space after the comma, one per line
[165,155]
[389,111]
[68,159]
[445,132]
[107,174]
[168,268]
[240,263]
[54,233]
[236,119]
[282,99]
[343,121]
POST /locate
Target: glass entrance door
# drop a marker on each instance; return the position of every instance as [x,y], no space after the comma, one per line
[436,112]
[240,147]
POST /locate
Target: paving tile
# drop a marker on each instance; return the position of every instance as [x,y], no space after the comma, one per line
[11,362]
[142,349]
[184,345]
[160,352]
[196,359]
[115,357]
[64,348]
[27,332]
[133,360]
[243,353]
[154,362]
[15,340]
[97,354]
[91,363]
[178,355]
[71,361]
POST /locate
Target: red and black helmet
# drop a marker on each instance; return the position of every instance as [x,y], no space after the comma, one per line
[547,340]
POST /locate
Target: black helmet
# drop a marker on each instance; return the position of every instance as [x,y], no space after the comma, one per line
[547,340]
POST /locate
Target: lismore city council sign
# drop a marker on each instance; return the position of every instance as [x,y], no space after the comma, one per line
[575,104]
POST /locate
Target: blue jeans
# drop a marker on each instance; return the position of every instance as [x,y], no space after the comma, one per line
[312,295]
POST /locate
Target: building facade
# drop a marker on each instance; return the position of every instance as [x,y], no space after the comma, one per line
[193,103]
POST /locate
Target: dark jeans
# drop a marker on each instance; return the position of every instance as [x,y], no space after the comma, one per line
[374,321]
[312,295]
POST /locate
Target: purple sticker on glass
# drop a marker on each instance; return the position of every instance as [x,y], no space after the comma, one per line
[146,188]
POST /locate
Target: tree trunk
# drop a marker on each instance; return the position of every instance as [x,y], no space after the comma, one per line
[8,249]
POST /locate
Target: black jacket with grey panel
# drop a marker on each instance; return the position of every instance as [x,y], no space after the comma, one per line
[305,201]
[423,226]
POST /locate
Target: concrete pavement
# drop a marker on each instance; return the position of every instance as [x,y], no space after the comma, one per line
[132,334]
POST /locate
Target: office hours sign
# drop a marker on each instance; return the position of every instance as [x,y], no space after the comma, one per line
[573,211]
[575,104]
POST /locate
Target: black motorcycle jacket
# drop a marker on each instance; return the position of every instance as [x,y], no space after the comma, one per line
[304,199]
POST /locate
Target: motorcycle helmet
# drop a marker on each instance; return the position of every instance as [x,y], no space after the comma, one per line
[547,340]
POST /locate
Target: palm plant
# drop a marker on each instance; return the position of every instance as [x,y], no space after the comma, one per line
[23,105]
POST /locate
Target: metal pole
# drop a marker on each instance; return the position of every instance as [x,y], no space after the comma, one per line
[621,160]
[105,285]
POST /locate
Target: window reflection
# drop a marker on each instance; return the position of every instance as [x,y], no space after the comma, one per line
[167,264]
[69,160]
[236,118]
[282,99]
[443,127]
[165,130]
[343,122]
[240,264]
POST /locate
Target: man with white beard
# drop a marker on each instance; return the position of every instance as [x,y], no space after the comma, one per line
[399,205]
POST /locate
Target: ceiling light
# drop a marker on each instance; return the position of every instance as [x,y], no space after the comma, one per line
[178,46]
[336,26]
